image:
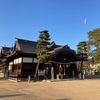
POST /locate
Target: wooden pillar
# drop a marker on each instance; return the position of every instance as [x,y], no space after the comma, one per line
[73,74]
[64,70]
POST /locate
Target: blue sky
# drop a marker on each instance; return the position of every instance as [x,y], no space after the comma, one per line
[64,19]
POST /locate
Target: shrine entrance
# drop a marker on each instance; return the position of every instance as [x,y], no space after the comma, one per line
[64,70]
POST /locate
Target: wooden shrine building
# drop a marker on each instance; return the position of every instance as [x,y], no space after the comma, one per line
[21,61]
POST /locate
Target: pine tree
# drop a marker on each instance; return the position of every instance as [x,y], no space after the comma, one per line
[82,50]
[42,46]
[42,49]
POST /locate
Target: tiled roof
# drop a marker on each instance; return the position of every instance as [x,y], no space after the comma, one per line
[57,52]
[4,51]
[26,46]
[66,54]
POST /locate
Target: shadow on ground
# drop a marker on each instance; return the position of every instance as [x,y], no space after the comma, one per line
[64,99]
[11,95]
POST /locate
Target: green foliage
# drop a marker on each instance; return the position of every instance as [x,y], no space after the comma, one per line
[98,68]
[94,38]
[82,49]
[42,46]
[96,57]
[94,43]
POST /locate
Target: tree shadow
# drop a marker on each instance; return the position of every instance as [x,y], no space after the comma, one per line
[11,95]
[64,99]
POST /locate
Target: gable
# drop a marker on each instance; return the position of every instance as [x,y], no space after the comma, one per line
[25,46]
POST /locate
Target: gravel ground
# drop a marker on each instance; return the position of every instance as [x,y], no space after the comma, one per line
[59,90]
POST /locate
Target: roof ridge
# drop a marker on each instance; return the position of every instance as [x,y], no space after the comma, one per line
[25,40]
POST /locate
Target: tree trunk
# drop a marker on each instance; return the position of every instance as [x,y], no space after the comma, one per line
[82,69]
[36,71]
